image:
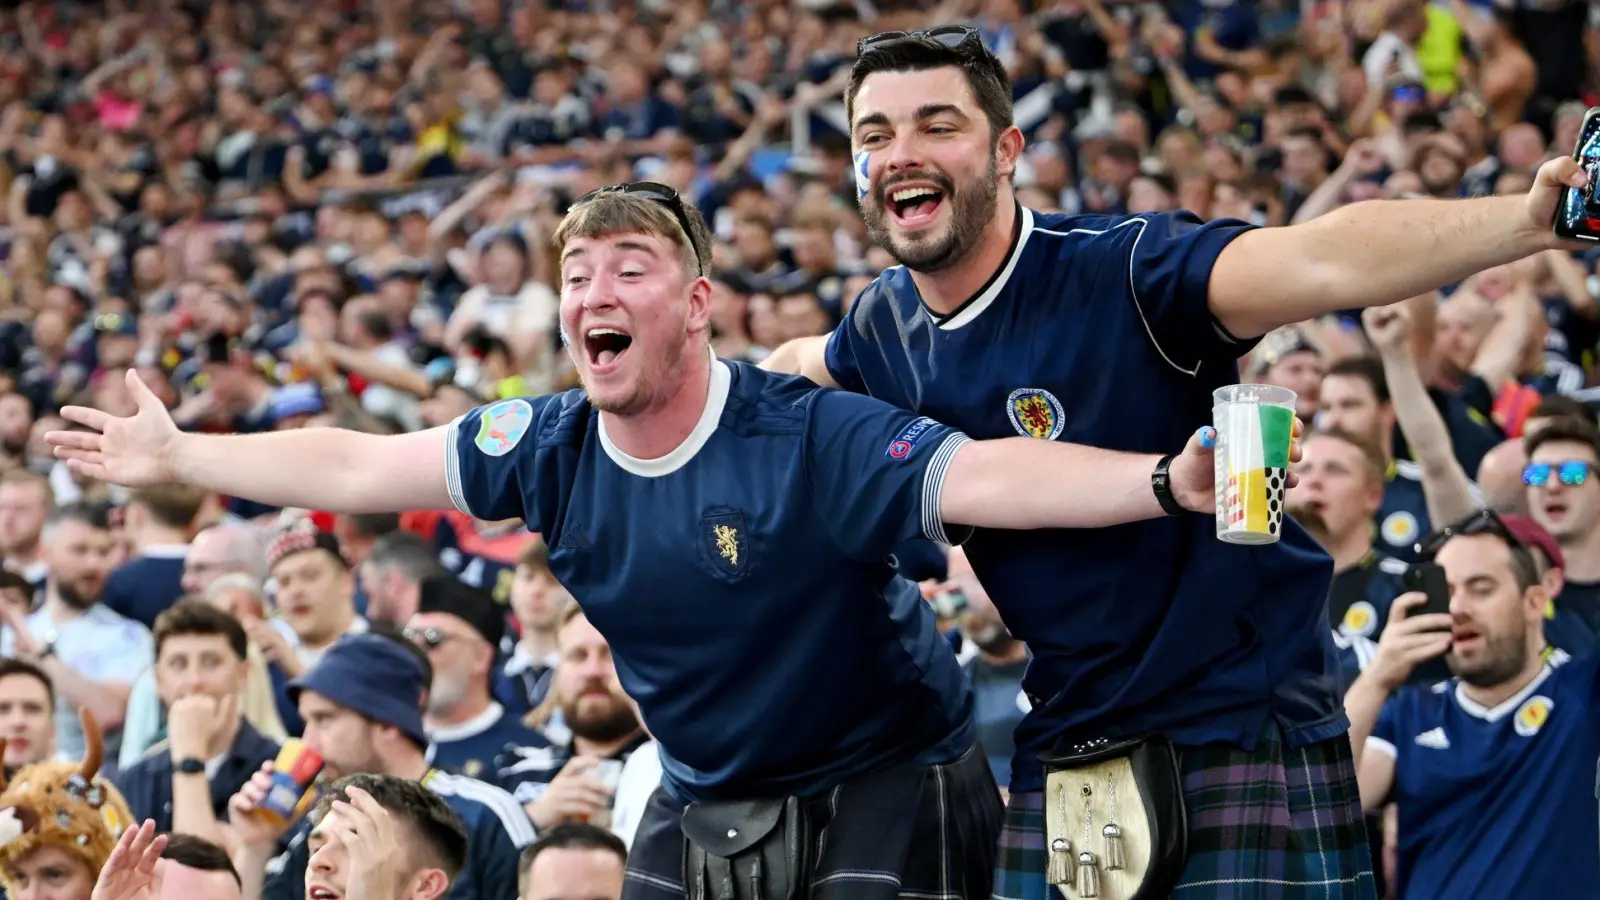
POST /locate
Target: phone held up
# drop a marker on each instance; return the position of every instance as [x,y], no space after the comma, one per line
[1578,211]
[1428,579]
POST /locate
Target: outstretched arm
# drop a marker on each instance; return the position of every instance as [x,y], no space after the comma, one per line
[1379,252]
[309,468]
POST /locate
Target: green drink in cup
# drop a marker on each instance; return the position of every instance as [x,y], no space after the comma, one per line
[1255,424]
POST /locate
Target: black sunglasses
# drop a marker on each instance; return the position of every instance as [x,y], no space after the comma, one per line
[1484,521]
[665,195]
[963,39]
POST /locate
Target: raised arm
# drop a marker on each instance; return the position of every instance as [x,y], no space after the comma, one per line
[1379,252]
[309,468]
[803,356]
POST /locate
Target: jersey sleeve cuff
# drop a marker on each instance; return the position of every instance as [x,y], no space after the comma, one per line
[933,489]
[1382,746]
[452,468]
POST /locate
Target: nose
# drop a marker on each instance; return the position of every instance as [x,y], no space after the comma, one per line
[903,154]
[600,293]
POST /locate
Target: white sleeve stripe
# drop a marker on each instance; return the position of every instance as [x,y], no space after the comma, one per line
[1382,746]
[933,486]
[452,468]
[505,807]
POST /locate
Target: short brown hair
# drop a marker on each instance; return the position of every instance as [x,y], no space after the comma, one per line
[190,616]
[1565,429]
[1371,453]
[171,505]
[618,212]
[28,476]
[535,556]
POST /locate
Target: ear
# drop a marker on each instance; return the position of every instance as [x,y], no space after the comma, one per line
[431,885]
[1007,149]
[1536,600]
[699,304]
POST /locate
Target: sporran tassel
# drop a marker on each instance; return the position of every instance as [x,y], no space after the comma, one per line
[1061,869]
[1114,858]
[1088,875]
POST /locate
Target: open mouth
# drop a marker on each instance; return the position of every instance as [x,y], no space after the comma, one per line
[1460,636]
[318,892]
[1555,509]
[914,205]
[606,346]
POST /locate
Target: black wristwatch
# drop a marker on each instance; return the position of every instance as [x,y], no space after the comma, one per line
[1161,484]
[189,766]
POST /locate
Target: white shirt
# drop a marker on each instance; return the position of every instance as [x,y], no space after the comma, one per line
[101,646]
[641,775]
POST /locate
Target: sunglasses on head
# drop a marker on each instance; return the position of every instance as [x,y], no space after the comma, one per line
[1572,472]
[1484,521]
[426,638]
[961,38]
[660,193]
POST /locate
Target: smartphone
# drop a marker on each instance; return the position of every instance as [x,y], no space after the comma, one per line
[1578,210]
[1428,578]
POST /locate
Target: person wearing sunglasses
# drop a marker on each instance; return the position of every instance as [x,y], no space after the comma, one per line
[727,530]
[1490,772]
[1563,484]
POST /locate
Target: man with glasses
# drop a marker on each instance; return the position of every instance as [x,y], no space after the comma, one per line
[1002,320]
[727,531]
[460,627]
[1564,497]
[1490,771]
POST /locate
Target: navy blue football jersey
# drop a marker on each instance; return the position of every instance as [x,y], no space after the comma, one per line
[1402,519]
[472,747]
[1097,331]
[743,581]
[1496,802]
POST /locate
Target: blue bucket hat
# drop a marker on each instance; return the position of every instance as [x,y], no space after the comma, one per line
[372,675]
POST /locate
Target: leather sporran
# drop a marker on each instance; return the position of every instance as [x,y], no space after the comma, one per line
[747,850]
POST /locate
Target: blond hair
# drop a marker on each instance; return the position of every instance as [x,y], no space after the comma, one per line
[619,212]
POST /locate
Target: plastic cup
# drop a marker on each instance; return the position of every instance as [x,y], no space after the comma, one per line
[1255,425]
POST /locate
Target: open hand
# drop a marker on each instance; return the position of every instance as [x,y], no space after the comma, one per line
[131,872]
[133,451]
[1194,471]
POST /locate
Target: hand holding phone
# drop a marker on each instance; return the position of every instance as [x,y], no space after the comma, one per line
[1428,578]
[1411,638]
[1578,209]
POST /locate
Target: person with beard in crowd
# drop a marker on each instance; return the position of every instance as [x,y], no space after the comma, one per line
[27,714]
[26,501]
[460,628]
[92,655]
[1490,772]
[362,705]
[996,669]
[17,413]
[576,779]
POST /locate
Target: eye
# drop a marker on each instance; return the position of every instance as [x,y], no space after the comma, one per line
[575,280]
[872,139]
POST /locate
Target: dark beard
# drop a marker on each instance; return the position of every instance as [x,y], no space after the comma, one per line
[73,598]
[602,729]
[971,211]
[1507,657]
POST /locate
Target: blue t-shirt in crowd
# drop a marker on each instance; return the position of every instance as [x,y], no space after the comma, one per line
[1097,330]
[743,580]
[1496,802]
[144,586]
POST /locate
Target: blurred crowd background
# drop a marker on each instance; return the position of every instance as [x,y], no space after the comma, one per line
[295,214]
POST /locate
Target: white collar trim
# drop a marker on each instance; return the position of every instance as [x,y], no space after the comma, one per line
[471,728]
[678,457]
[992,292]
[1505,707]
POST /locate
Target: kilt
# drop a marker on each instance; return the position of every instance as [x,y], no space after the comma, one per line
[920,832]
[1269,823]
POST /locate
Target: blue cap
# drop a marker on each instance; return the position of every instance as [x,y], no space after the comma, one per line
[372,675]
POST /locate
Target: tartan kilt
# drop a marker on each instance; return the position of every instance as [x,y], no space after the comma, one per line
[918,832]
[1276,822]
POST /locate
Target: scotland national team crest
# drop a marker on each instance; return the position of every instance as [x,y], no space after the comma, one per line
[1532,715]
[1035,413]
[1359,620]
[1400,529]
[502,425]
[724,541]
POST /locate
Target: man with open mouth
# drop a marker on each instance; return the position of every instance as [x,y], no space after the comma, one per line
[1114,332]
[727,530]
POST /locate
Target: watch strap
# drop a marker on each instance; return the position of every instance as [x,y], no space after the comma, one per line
[189,766]
[1161,486]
